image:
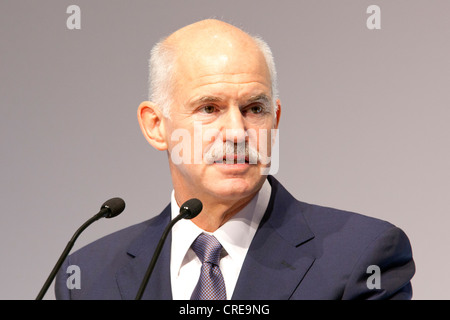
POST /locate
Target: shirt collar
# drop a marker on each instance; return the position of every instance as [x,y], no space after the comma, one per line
[235,235]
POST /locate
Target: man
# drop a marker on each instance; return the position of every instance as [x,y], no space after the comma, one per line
[213,79]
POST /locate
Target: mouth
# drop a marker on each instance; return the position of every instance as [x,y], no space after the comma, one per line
[233,159]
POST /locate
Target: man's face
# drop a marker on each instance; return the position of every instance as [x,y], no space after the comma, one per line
[219,96]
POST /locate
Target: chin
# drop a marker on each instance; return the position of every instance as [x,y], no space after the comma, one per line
[235,188]
[220,182]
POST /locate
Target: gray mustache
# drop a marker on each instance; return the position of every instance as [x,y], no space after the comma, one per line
[219,150]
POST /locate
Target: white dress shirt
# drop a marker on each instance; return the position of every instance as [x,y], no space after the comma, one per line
[235,236]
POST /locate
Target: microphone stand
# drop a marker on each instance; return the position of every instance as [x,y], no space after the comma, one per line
[156,255]
[67,250]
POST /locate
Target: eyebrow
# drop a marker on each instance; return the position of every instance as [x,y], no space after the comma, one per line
[257,98]
[207,99]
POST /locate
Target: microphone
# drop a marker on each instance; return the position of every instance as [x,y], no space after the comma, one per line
[188,210]
[110,209]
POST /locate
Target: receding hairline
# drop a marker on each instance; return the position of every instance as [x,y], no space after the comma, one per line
[170,47]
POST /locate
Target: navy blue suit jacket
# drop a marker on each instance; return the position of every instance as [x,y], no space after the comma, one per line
[300,251]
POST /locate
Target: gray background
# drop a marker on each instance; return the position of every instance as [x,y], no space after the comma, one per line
[364,126]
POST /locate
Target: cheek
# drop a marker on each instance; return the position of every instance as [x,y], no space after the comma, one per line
[262,139]
[187,149]
[179,143]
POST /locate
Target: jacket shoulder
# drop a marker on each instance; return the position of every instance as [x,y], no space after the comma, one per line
[331,220]
[100,260]
[323,220]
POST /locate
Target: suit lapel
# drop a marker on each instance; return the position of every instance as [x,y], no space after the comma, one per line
[129,278]
[281,252]
[280,255]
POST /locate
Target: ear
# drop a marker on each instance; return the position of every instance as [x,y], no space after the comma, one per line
[152,125]
[277,119]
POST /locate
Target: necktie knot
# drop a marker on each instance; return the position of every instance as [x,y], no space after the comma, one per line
[207,248]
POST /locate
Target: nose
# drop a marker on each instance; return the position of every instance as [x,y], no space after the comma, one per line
[234,125]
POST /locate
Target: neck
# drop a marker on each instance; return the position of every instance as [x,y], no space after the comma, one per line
[215,213]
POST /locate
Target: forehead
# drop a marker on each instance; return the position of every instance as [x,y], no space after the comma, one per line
[213,57]
[206,59]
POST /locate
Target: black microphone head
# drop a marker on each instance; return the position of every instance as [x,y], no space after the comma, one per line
[114,207]
[191,208]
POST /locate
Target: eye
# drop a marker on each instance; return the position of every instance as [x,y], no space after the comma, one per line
[208,109]
[256,109]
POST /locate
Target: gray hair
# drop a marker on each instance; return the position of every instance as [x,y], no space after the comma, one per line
[162,71]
